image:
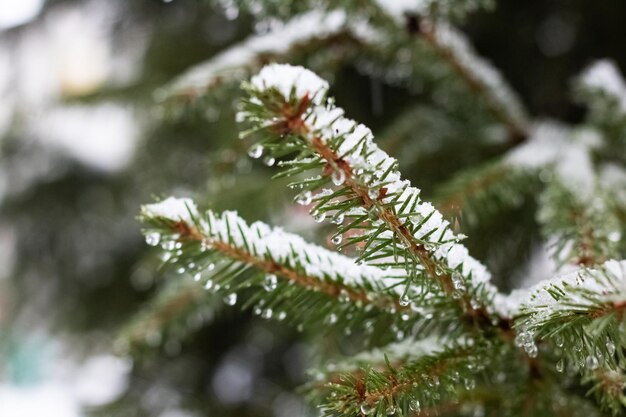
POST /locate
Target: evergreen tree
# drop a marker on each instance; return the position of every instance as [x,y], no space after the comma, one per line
[435,335]
[370,284]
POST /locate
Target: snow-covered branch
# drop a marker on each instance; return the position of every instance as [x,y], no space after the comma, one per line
[230,250]
[302,32]
[479,74]
[289,105]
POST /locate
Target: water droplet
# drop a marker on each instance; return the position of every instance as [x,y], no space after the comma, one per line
[469,384]
[180,270]
[338,219]
[282,316]
[336,239]
[615,236]
[416,218]
[391,410]
[319,217]
[610,347]
[332,319]
[169,245]
[372,193]
[255,151]
[197,276]
[231,299]
[267,313]
[560,365]
[404,316]
[153,239]
[270,283]
[269,160]
[366,409]
[558,339]
[404,300]
[591,362]
[338,177]
[457,281]
[304,198]
[208,284]
[415,406]
[210,267]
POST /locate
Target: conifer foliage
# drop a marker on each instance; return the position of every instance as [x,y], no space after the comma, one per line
[437,336]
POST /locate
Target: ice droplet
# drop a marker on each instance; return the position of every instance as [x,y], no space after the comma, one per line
[169,245]
[304,198]
[319,217]
[338,219]
[415,218]
[391,410]
[404,300]
[415,406]
[591,362]
[231,299]
[610,347]
[153,239]
[336,239]
[560,365]
[269,160]
[366,409]
[338,177]
[255,151]
[558,339]
[270,283]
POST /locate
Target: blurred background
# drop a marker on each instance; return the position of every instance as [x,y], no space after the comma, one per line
[83,143]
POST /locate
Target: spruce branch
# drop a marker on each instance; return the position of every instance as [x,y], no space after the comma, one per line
[580,312]
[179,308]
[479,75]
[292,277]
[287,107]
[476,194]
[426,381]
[315,30]
[584,233]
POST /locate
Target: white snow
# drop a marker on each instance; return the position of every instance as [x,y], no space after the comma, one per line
[172,208]
[604,76]
[565,150]
[102,136]
[607,282]
[236,62]
[288,79]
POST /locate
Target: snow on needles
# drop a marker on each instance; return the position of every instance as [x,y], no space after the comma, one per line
[603,76]
[288,79]
[606,282]
[566,150]
[172,208]
[482,72]
[265,242]
[236,62]
[374,168]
